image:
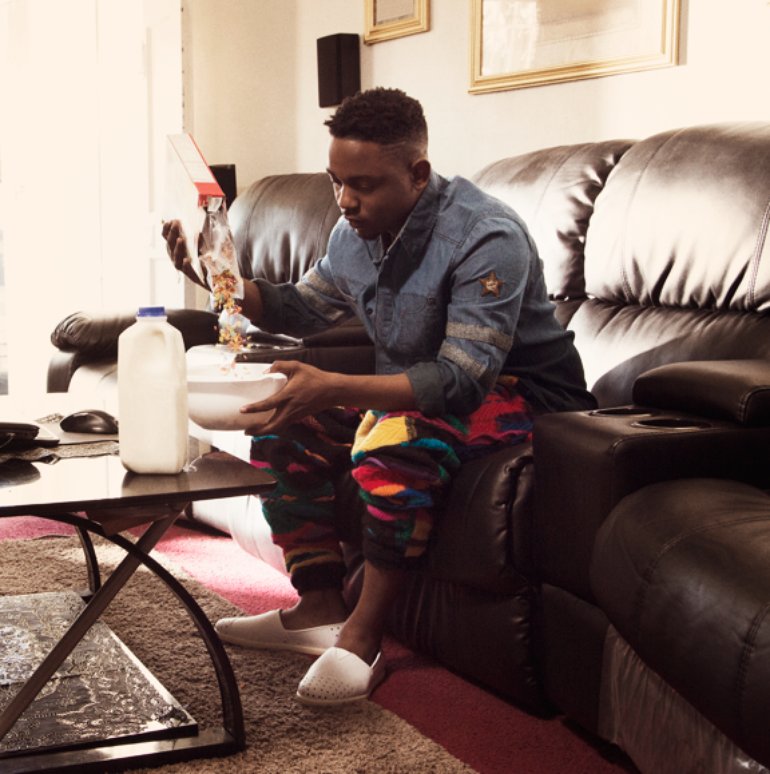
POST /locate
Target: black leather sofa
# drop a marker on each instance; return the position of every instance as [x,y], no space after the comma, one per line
[615,570]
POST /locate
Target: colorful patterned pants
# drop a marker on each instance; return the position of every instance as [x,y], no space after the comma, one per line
[403,463]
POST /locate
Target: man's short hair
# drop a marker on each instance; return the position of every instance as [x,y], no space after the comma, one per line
[384,116]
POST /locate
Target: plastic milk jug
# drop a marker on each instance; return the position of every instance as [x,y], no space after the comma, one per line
[152,395]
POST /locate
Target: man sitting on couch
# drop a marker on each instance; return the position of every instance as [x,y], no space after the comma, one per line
[449,286]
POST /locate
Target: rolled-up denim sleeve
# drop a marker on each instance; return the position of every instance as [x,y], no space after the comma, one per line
[309,306]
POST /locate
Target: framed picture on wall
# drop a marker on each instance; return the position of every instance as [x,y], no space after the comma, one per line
[518,43]
[387,19]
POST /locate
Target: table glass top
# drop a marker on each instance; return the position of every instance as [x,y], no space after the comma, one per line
[80,483]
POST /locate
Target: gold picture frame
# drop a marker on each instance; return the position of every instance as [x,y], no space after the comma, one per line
[387,19]
[521,43]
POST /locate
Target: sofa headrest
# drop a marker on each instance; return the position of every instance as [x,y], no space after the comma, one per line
[683,220]
[554,190]
[281,225]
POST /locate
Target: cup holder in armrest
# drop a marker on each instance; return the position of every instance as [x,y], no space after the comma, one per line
[671,423]
[620,411]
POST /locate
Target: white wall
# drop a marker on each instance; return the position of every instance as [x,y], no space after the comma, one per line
[252,86]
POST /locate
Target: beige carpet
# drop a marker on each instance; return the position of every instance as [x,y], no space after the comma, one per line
[282,735]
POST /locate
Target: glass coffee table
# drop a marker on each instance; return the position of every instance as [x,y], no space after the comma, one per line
[97,496]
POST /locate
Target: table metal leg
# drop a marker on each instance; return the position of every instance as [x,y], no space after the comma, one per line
[232,709]
[92,563]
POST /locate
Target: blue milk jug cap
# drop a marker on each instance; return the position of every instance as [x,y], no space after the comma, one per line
[151,311]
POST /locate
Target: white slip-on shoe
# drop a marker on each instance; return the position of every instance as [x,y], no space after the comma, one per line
[340,677]
[266,632]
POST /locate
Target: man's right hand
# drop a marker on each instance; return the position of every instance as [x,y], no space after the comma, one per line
[176,246]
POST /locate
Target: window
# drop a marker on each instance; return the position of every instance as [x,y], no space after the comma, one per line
[3,327]
[89,89]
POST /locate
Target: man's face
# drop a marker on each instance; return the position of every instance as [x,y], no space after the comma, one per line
[375,187]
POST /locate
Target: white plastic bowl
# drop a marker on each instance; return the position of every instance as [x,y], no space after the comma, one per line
[215,394]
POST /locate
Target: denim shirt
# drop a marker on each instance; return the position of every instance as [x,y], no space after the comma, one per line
[457,300]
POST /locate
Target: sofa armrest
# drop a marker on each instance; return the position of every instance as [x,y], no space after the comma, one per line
[86,338]
[586,462]
[345,349]
[350,333]
[61,368]
[94,335]
[340,359]
[484,538]
[737,390]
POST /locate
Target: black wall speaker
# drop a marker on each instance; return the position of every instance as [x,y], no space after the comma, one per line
[339,68]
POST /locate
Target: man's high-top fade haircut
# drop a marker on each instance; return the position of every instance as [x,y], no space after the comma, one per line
[384,116]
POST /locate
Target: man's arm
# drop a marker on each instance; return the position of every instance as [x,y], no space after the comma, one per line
[251,303]
[176,246]
[392,392]
[310,390]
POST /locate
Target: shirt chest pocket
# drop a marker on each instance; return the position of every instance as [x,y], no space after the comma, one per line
[418,325]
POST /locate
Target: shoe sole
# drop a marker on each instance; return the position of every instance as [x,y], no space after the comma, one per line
[308,650]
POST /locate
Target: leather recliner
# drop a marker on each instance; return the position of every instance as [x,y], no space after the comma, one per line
[656,254]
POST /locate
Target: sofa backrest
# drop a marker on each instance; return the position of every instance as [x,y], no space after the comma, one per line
[554,191]
[654,251]
[281,225]
[677,261]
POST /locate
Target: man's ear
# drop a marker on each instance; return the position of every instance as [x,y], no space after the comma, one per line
[420,173]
